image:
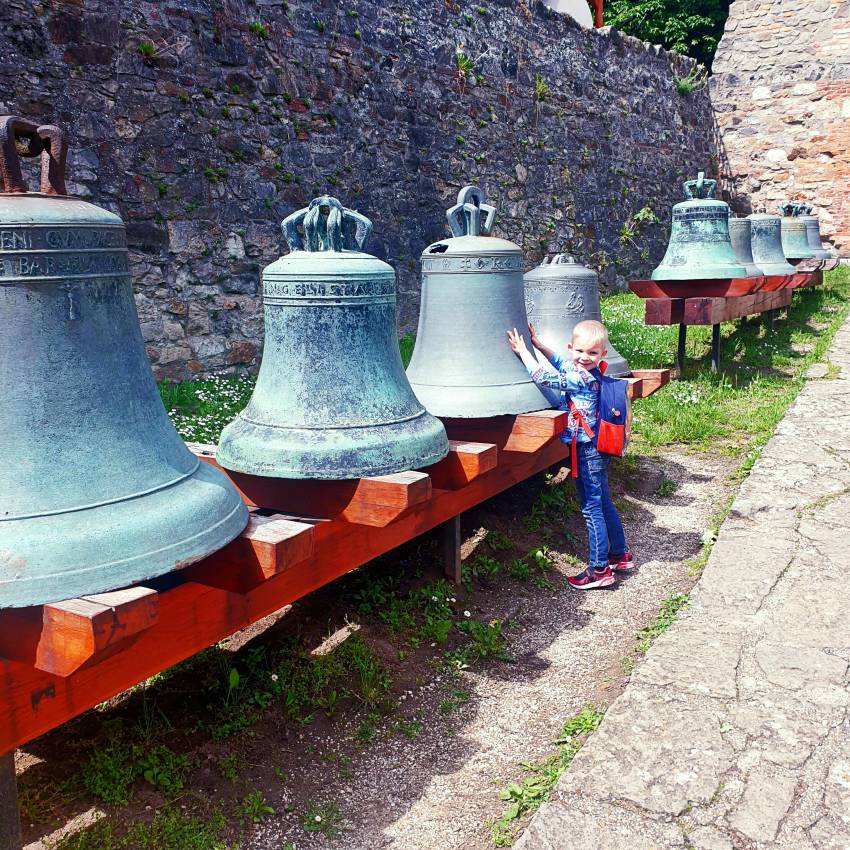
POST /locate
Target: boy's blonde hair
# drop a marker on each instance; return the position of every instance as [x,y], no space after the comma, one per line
[592,331]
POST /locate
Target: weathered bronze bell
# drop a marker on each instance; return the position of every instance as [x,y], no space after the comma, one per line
[740,232]
[699,247]
[795,242]
[766,242]
[813,236]
[472,292]
[559,294]
[332,400]
[97,490]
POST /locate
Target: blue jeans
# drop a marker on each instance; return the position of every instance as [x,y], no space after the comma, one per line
[604,530]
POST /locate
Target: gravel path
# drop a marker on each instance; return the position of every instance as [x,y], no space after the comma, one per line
[439,790]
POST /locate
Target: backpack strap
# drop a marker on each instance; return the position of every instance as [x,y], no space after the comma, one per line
[587,430]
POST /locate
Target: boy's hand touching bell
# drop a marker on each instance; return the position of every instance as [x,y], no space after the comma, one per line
[516,342]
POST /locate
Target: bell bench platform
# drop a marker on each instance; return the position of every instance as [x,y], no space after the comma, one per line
[710,302]
[60,659]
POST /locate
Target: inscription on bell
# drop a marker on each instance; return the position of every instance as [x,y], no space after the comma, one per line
[63,264]
[62,238]
[471,264]
[357,289]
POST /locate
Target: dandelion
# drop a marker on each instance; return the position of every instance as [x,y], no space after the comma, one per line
[318,818]
[274,677]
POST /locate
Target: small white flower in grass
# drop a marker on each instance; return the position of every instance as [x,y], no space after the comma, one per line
[467,614]
[318,818]
[453,599]
[433,598]
[274,677]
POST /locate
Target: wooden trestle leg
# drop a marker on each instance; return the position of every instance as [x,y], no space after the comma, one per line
[715,348]
[451,549]
[10,820]
[680,351]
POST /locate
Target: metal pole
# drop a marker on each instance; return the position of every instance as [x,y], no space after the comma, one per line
[680,353]
[10,820]
[451,550]
[771,318]
[715,348]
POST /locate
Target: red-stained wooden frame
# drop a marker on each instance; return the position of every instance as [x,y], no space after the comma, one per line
[58,660]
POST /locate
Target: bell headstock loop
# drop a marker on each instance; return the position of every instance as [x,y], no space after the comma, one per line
[564,260]
[700,188]
[465,217]
[791,209]
[324,224]
[20,137]
[805,209]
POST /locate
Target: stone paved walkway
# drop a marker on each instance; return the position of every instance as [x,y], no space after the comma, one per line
[734,734]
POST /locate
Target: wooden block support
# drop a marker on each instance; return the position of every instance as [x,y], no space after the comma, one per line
[713,311]
[664,311]
[651,380]
[375,501]
[464,463]
[268,546]
[61,637]
[525,432]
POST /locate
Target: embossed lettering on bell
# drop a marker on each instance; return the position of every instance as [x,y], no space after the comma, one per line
[332,400]
[97,490]
[559,294]
[472,292]
[700,247]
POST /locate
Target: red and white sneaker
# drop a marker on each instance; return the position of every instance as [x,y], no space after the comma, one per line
[621,563]
[590,579]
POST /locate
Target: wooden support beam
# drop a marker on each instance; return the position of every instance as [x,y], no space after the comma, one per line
[10,821]
[464,463]
[375,501]
[713,311]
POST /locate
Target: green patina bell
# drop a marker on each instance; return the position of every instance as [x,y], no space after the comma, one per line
[813,236]
[559,294]
[472,293]
[332,400]
[97,490]
[700,247]
[795,240]
[766,244]
[741,234]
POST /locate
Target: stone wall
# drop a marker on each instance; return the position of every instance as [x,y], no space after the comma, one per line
[781,90]
[205,122]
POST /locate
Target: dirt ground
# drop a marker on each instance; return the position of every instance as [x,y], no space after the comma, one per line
[430,775]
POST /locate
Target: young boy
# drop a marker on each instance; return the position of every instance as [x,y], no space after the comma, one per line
[562,381]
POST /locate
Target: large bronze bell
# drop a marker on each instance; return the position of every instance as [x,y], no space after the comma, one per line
[766,242]
[813,236]
[795,241]
[559,294]
[97,490]
[332,400]
[699,247]
[741,233]
[472,292]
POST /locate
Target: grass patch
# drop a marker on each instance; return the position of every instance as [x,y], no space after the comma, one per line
[670,608]
[525,796]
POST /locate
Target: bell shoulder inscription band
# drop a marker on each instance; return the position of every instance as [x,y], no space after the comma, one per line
[472,292]
[332,400]
[559,294]
[97,490]
[699,247]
